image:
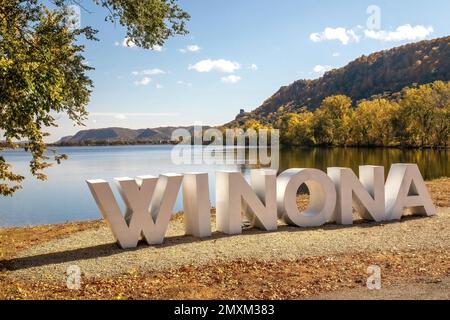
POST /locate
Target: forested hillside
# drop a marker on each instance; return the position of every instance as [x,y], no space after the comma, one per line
[418,116]
[380,73]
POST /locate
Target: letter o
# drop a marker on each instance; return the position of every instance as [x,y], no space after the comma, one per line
[322,197]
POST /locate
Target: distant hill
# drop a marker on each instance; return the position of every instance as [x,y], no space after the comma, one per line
[383,72]
[122,136]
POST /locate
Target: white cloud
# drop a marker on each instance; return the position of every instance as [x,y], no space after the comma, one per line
[405,32]
[182,83]
[159,86]
[133,114]
[321,69]
[254,67]
[149,72]
[120,117]
[117,43]
[343,35]
[220,65]
[231,79]
[153,72]
[144,82]
[336,54]
[128,43]
[191,48]
[157,48]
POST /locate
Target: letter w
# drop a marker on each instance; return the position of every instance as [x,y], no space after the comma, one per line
[149,202]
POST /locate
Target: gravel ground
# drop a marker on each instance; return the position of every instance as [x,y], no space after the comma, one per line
[96,253]
[429,290]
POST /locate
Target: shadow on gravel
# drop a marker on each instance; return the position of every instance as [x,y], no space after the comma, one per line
[111,249]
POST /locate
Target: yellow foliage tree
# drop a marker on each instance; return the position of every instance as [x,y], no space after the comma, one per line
[332,121]
[372,123]
[297,129]
[425,115]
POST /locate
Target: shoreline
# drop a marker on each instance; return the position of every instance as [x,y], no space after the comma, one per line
[171,143]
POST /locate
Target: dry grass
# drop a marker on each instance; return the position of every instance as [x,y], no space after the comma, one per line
[440,192]
[13,240]
[247,279]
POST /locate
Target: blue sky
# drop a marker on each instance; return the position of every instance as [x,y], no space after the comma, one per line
[238,53]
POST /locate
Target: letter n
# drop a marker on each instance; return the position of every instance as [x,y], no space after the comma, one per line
[365,194]
[234,196]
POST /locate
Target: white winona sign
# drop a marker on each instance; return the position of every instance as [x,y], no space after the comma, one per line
[266,199]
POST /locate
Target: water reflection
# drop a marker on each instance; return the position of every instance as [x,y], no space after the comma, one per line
[432,163]
[65,195]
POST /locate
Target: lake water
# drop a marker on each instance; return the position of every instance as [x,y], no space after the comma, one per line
[66,197]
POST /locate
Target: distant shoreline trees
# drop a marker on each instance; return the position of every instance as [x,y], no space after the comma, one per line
[417,117]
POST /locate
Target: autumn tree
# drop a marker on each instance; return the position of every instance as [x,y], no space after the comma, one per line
[43,72]
[425,115]
[253,124]
[257,130]
[332,121]
[372,123]
[296,128]
[418,116]
[440,99]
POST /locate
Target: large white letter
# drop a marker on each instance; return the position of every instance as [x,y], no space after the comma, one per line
[149,203]
[232,191]
[405,188]
[322,197]
[196,205]
[261,211]
[366,195]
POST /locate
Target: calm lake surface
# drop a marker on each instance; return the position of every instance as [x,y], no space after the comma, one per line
[66,197]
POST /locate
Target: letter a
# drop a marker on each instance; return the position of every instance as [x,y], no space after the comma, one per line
[405,188]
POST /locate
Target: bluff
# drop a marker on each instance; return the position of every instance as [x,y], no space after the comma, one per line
[380,73]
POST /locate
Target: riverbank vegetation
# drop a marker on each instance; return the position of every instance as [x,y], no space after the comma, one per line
[418,116]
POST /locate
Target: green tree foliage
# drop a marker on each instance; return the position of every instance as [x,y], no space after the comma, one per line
[148,22]
[43,72]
